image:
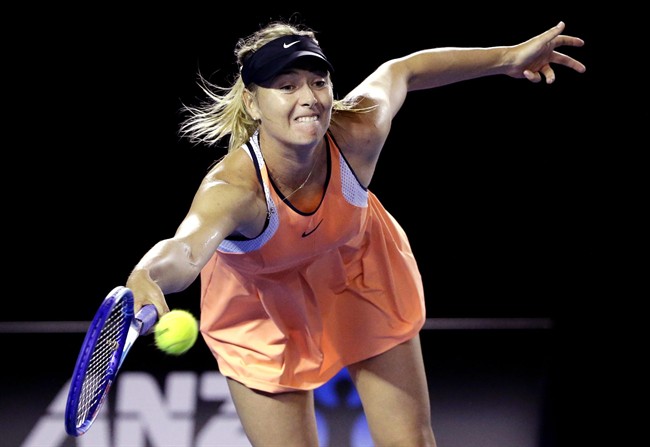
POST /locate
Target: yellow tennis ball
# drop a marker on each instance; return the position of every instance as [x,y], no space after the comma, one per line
[176,332]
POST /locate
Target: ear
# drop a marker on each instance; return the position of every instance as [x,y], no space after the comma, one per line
[250,103]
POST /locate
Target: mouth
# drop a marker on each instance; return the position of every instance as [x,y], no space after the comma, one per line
[307,119]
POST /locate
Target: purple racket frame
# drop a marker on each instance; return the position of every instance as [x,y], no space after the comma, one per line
[108,340]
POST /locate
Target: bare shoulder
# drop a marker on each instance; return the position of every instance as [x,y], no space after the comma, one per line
[361,129]
[231,192]
[361,134]
[235,168]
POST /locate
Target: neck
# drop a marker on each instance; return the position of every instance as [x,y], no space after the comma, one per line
[292,168]
[296,171]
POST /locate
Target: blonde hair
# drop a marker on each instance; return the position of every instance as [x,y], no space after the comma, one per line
[223,114]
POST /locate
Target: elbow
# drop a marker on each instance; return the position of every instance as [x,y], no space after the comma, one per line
[173,268]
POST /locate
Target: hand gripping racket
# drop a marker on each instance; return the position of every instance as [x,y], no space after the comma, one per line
[111,334]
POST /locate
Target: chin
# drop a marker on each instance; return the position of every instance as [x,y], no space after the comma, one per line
[314,133]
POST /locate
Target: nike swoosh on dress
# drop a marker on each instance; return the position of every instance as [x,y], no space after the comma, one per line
[307,233]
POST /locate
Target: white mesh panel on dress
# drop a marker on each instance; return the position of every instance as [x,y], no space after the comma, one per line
[353,192]
[245,246]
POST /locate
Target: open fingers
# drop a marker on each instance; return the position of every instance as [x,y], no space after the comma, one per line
[568,41]
[568,61]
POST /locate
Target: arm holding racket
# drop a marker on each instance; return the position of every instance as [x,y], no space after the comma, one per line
[117,324]
[221,206]
[125,314]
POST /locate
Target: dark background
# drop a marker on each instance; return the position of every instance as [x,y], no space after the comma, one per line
[493,179]
[490,177]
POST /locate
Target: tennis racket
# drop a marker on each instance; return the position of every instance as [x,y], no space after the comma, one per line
[108,340]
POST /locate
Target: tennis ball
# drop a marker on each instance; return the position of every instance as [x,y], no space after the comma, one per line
[176,332]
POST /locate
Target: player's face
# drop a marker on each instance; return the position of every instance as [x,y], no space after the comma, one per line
[295,106]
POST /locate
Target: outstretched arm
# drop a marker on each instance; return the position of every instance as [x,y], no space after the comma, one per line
[384,91]
[223,204]
[532,60]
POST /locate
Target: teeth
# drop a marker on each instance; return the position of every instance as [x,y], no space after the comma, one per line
[307,119]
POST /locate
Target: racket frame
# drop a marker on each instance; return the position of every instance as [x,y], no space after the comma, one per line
[89,387]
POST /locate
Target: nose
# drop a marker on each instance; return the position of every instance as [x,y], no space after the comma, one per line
[307,96]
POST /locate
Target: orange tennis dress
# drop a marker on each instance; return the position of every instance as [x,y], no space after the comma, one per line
[314,292]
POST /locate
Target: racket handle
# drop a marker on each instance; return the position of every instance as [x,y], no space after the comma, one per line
[148,315]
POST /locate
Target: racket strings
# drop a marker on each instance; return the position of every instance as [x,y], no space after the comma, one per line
[104,362]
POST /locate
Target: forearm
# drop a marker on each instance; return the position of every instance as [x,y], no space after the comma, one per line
[441,66]
[169,265]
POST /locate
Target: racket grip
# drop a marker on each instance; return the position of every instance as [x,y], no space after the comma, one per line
[148,315]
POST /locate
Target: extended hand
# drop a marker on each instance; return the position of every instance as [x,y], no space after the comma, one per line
[533,58]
